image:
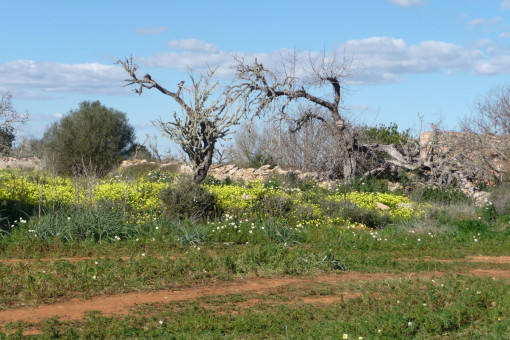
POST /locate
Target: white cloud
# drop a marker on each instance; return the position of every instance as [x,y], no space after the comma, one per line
[505,35]
[406,3]
[488,25]
[387,59]
[193,45]
[39,79]
[381,60]
[505,4]
[497,65]
[151,30]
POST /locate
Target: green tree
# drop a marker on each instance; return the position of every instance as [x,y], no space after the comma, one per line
[92,139]
[6,139]
[9,117]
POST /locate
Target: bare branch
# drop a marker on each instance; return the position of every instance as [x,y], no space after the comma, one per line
[207,114]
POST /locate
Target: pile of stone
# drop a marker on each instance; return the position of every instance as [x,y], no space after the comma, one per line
[20,163]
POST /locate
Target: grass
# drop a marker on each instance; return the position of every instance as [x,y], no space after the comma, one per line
[445,307]
[122,255]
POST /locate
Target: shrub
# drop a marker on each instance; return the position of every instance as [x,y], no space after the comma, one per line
[501,199]
[440,195]
[469,226]
[187,200]
[275,205]
[370,217]
[6,139]
[92,139]
[290,180]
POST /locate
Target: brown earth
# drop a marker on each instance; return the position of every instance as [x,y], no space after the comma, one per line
[121,304]
[474,259]
[490,259]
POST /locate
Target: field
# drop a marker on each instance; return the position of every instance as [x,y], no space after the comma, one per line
[281,258]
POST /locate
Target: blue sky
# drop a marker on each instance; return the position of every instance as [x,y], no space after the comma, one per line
[432,57]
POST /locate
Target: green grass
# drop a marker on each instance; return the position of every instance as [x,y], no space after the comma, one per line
[126,255]
[444,307]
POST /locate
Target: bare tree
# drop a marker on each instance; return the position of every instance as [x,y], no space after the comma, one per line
[279,92]
[8,118]
[207,114]
[311,148]
[487,134]
[249,149]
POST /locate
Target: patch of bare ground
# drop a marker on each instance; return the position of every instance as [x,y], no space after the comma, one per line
[75,309]
[496,273]
[315,300]
[122,304]
[474,259]
[490,259]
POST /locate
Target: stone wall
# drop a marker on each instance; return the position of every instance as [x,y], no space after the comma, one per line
[20,163]
[480,159]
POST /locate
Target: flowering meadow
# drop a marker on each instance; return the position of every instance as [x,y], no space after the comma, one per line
[138,199]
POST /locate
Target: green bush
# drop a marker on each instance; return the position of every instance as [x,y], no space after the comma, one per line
[369,184]
[440,195]
[187,200]
[370,217]
[275,205]
[289,180]
[90,140]
[471,226]
[385,134]
[6,139]
[500,198]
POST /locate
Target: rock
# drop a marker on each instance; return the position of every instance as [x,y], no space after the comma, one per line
[481,198]
[265,167]
[382,206]
[394,186]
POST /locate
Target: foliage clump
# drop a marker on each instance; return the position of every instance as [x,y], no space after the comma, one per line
[90,140]
[501,199]
[187,200]
[440,195]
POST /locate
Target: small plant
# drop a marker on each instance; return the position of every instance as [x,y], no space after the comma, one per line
[488,212]
[189,234]
[440,195]
[187,200]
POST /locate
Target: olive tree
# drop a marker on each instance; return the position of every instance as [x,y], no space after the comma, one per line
[9,117]
[89,140]
[207,113]
[317,83]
